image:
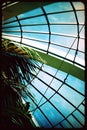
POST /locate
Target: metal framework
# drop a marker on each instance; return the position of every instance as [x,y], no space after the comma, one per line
[9,28]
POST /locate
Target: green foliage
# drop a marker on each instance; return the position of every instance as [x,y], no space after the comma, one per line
[16,48]
[15,68]
[13,113]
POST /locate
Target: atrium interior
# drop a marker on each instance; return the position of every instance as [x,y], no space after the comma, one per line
[56,31]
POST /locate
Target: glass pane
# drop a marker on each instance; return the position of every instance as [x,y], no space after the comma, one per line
[63,106]
[10,37]
[66,124]
[42,121]
[80,15]
[79,116]
[78,5]
[62,18]
[76,83]
[74,97]
[38,20]
[39,85]
[71,54]
[49,69]
[56,84]
[33,43]
[74,122]
[11,29]
[37,28]
[70,94]
[49,93]
[13,34]
[82,33]
[45,77]
[80,58]
[81,45]
[42,101]
[51,113]
[11,24]
[10,20]
[64,29]
[57,7]
[36,94]
[61,75]
[61,40]
[82,109]
[36,36]
[58,50]
[31,13]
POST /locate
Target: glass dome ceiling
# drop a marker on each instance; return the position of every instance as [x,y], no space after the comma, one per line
[57,32]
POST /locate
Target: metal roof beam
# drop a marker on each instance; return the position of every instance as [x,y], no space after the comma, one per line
[21,7]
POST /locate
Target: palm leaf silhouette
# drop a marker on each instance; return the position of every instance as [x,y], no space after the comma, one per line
[17,64]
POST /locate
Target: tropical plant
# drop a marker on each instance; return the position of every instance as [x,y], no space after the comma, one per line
[17,64]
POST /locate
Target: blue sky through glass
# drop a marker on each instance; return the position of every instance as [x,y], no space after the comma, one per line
[56,101]
[60,24]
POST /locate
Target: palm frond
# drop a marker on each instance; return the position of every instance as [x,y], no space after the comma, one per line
[14,47]
[18,63]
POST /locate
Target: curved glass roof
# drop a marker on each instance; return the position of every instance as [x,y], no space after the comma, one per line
[57,30]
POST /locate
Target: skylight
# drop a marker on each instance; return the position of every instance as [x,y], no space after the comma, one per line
[56,29]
